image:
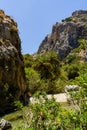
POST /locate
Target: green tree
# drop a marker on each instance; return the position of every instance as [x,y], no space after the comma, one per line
[28,60]
[33,79]
[73,71]
[48,66]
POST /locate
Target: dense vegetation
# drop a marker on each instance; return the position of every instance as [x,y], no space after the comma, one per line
[47,114]
[50,115]
[43,73]
[47,74]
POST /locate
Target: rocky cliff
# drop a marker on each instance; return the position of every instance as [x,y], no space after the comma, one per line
[65,35]
[12,76]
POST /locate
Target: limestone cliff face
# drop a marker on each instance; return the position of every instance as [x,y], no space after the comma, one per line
[65,35]
[12,76]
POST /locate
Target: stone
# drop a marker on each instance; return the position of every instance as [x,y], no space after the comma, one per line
[5,125]
[79,12]
[70,88]
[12,75]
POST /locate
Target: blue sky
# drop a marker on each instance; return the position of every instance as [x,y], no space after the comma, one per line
[35,18]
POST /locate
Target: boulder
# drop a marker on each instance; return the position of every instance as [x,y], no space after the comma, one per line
[12,75]
[5,125]
[70,88]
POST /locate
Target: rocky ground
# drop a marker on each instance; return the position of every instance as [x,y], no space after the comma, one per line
[62,97]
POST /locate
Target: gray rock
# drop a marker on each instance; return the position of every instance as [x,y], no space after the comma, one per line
[5,125]
[65,35]
[79,12]
[70,88]
[12,75]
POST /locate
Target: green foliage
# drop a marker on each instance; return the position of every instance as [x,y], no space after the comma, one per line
[13,116]
[72,58]
[82,46]
[48,66]
[80,104]
[18,105]
[83,43]
[33,79]
[84,19]
[18,125]
[47,114]
[86,25]
[82,81]
[47,73]
[35,83]
[42,73]
[55,86]
[72,71]
[42,114]
[28,60]
[69,19]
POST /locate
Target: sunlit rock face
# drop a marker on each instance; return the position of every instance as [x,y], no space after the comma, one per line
[65,35]
[12,76]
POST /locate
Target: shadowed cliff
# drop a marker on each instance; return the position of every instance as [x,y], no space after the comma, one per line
[12,76]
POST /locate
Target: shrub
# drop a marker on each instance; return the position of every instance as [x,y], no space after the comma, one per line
[48,66]
[18,105]
[71,58]
[33,79]
[69,19]
[43,114]
[83,44]
[47,114]
[73,71]
[84,19]
[28,60]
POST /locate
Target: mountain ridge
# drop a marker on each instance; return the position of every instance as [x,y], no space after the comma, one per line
[65,35]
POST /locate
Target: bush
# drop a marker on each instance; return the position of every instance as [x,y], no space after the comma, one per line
[83,44]
[18,105]
[42,115]
[28,60]
[48,66]
[69,19]
[33,79]
[73,71]
[47,114]
[84,19]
